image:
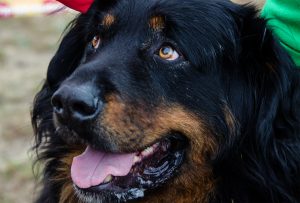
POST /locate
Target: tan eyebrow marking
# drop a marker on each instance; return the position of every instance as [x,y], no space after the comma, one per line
[157,23]
[108,20]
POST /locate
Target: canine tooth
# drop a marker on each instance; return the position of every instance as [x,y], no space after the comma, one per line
[108,179]
[136,159]
[156,145]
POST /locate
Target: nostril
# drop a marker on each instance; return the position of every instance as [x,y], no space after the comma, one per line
[82,108]
[57,104]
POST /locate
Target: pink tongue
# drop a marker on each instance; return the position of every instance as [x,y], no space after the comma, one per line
[92,167]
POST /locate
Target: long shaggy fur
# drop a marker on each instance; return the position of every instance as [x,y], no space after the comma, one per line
[239,81]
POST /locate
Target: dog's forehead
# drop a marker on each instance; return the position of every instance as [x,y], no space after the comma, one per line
[189,24]
[134,12]
[157,13]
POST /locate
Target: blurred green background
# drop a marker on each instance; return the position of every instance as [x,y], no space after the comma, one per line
[26,47]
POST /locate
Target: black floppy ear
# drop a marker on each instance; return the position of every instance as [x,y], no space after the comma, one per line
[263,65]
[265,95]
[263,81]
[70,51]
[259,45]
[66,59]
[72,47]
[271,75]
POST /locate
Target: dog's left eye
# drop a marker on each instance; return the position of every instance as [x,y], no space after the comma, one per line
[96,41]
[168,53]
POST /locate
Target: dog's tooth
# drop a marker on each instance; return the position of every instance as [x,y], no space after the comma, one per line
[108,179]
[148,151]
[156,145]
[136,159]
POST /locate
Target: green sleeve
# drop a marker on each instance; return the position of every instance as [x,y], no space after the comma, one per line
[284,19]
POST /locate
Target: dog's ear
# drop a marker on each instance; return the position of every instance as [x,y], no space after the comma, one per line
[264,92]
[69,53]
[263,68]
[258,44]
[270,73]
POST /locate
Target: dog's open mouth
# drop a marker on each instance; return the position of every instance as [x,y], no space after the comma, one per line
[127,176]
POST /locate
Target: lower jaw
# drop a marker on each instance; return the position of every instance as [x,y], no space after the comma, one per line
[110,195]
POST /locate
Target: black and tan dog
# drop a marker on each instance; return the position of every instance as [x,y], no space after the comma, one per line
[169,101]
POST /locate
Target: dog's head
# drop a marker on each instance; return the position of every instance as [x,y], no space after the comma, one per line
[146,96]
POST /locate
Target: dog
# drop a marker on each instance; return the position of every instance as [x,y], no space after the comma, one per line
[169,101]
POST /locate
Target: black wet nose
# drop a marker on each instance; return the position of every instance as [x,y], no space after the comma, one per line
[75,103]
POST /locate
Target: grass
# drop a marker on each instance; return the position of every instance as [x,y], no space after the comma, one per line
[27,45]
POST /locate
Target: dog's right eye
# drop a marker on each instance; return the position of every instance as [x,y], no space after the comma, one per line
[96,42]
[168,53]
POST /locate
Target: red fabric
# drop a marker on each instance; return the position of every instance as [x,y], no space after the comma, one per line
[78,5]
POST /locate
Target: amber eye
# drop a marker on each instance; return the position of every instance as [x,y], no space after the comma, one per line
[96,42]
[168,53]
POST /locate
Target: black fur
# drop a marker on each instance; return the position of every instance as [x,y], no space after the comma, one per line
[229,57]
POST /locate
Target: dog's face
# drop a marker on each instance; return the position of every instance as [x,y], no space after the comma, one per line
[139,98]
[142,97]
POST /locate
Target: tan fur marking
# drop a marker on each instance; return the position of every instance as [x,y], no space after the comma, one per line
[126,121]
[67,194]
[108,20]
[157,23]
[271,67]
[258,3]
[230,120]
[195,176]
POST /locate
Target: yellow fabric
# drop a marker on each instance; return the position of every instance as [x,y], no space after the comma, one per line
[14,3]
[11,8]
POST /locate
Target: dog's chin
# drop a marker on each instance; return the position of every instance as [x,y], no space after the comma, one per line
[150,168]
